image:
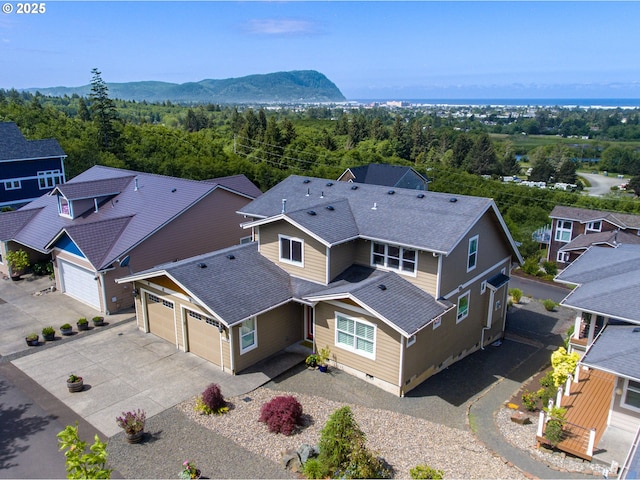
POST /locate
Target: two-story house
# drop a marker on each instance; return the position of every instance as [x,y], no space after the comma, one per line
[398,283]
[28,168]
[574,230]
[108,222]
[387,175]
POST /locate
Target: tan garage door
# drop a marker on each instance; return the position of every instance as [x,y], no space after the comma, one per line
[203,336]
[161,318]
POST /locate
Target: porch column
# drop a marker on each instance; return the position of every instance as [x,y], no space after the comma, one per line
[559,396]
[576,325]
[567,386]
[592,329]
[592,441]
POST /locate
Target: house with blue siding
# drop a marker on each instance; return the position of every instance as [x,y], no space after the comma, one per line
[29,168]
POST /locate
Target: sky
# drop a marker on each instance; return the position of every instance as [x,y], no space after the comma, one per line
[369,49]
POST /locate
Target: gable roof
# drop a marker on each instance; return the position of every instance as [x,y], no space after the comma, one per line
[422,220]
[616,350]
[13,145]
[237,183]
[584,215]
[612,238]
[387,175]
[608,282]
[128,215]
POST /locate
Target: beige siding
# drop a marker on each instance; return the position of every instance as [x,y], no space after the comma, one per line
[342,257]
[387,344]
[623,417]
[276,330]
[314,253]
[81,262]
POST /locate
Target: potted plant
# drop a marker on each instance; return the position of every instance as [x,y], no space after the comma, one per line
[312,360]
[133,425]
[48,333]
[18,261]
[75,383]
[189,471]
[323,358]
[32,339]
[98,321]
[83,324]
[66,329]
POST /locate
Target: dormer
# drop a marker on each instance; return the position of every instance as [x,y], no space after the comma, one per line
[77,198]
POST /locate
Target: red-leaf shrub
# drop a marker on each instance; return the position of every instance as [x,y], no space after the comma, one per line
[212,398]
[281,414]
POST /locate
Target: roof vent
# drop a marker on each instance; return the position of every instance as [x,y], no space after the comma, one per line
[330,207]
[329,184]
[382,287]
[375,206]
[135,188]
[636,330]
[174,190]
[306,180]
[311,212]
[284,205]
[420,195]
[202,265]
[322,194]
[391,192]
[231,257]
[453,200]
[308,192]
[354,187]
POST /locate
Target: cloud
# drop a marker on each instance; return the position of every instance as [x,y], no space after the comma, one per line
[280,26]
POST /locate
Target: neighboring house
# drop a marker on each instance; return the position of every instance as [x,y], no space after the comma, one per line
[607,336]
[399,284]
[28,168]
[385,175]
[107,222]
[574,230]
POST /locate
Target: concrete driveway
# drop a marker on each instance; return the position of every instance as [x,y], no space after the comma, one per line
[123,368]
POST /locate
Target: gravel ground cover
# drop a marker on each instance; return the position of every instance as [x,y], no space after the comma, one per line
[403,441]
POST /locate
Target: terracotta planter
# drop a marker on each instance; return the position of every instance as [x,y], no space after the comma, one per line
[134,437]
[76,386]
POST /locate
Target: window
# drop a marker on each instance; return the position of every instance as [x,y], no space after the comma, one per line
[12,185]
[355,335]
[200,317]
[562,257]
[392,257]
[411,340]
[631,395]
[248,335]
[563,230]
[463,307]
[472,259]
[594,226]
[245,240]
[156,299]
[437,322]
[49,179]
[291,250]
[483,287]
[64,206]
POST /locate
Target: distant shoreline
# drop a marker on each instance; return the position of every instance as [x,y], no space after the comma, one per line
[514,102]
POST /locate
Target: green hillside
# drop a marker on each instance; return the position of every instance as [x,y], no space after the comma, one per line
[302,86]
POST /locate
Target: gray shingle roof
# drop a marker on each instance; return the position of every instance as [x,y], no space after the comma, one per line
[611,238]
[93,188]
[13,145]
[237,183]
[386,175]
[609,281]
[424,220]
[616,350]
[12,222]
[584,215]
[158,200]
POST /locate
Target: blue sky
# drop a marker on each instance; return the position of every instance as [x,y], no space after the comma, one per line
[442,49]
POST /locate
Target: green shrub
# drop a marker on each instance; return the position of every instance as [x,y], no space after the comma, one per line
[516,294]
[420,472]
[531,266]
[549,304]
[82,321]
[313,469]
[530,400]
[79,462]
[48,331]
[65,326]
[550,267]
[570,331]
[43,268]
[553,432]
[547,389]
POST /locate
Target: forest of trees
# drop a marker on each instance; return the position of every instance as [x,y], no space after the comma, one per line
[464,156]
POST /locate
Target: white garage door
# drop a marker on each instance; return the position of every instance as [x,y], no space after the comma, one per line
[79,284]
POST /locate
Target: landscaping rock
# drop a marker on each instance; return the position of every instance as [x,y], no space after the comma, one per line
[291,461]
[520,418]
[306,451]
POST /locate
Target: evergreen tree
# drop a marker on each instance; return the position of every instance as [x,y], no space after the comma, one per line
[104,111]
[83,111]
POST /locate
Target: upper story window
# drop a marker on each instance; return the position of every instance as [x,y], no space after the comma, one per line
[562,257]
[12,185]
[563,231]
[401,259]
[463,307]
[594,226]
[49,179]
[472,258]
[291,250]
[63,206]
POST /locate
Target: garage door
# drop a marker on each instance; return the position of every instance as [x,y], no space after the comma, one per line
[203,336]
[79,283]
[161,318]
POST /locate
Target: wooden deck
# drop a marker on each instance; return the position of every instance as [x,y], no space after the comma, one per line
[587,407]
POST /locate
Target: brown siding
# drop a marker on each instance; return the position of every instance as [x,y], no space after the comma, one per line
[387,346]
[314,254]
[277,329]
[342,257]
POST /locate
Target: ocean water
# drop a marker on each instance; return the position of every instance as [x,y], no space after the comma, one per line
[533,102]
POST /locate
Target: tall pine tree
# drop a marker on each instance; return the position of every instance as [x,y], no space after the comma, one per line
[103,111]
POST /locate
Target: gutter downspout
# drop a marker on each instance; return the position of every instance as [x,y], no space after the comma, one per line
[103,288]
[403,342]
[221,332]
[231,351]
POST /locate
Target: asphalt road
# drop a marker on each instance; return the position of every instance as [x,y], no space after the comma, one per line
[601,185]
[539,290]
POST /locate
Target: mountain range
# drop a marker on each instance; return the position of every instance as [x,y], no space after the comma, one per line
[300,86]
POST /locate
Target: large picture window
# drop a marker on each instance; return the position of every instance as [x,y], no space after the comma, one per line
[291,250]
[463,307]
[355,335]
[248,335]
[563,231]
[401,259]
[472,258]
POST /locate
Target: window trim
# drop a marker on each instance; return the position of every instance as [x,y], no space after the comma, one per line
[562,257]
[48,179]
[291,240]
[589,227]
[623,398]
[12,185]
[473,254]
[411,340]
[401,259]
[459,315]
[560,229]
[254,345]
[353,348]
